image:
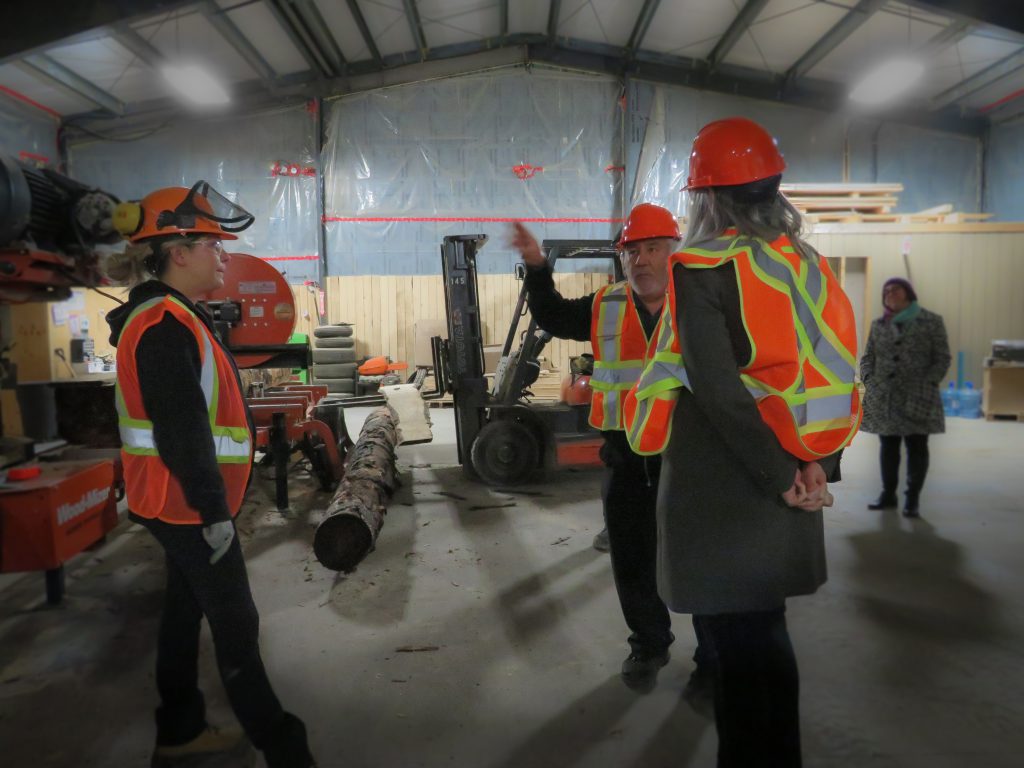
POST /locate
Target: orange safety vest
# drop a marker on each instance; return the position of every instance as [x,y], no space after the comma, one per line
[619,343]
[151,489]
[803,342]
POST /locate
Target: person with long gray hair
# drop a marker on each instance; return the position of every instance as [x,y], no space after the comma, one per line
[749,393]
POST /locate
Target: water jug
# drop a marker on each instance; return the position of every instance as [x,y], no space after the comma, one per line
[970,402]
[951,400]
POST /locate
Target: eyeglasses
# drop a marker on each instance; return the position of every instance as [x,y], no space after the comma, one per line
[213,244]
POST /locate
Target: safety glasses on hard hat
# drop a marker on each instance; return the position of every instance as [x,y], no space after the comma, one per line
[203,201]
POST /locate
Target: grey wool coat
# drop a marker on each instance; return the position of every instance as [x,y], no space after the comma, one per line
[902,367]
[727,543]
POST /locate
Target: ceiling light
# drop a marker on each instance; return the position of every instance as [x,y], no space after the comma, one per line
[887,81]
[195,84]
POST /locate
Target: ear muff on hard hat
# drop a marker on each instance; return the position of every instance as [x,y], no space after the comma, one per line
[180,211]
[646,221]
[732,152]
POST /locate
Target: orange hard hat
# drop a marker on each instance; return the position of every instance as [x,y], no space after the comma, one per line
[733,151]
[646,221]
[200,210]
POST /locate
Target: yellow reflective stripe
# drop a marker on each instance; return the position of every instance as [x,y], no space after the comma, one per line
[140,451]
[825,425]
[607,386]
[660,387]
[617,365]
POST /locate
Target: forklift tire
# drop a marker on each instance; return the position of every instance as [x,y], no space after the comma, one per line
[334,370]
[332,331]
[334,355]
[505,453]
[335,342]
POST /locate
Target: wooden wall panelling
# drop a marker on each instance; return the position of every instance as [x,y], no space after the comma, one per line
[972,278]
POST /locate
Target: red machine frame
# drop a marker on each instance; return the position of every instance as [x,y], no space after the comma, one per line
[293,417]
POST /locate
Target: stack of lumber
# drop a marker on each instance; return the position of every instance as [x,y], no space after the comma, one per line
[859,203]
[842,202]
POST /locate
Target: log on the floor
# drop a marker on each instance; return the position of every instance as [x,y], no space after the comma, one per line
[356,514]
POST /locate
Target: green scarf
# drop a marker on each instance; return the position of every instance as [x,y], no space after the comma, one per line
[908,314]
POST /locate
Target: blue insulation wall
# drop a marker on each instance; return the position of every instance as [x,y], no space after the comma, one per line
[267,163]
[403,167]
[27,134]
[406,166]
[1004,172]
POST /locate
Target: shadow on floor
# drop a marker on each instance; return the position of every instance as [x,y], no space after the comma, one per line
[594,722]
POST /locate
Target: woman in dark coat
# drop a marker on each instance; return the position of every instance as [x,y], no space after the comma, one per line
[905,360]
[740,524]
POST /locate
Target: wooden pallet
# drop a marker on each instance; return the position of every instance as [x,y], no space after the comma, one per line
[838,202]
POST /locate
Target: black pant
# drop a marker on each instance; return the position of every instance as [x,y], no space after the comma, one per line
[221,593]
[630,496]
[756,689]
[917,463]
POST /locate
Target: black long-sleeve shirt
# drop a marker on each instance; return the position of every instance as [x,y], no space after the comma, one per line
[169,368]
[570,319]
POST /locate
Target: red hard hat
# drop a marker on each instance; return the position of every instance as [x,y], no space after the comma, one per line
[646,221]
[733,151]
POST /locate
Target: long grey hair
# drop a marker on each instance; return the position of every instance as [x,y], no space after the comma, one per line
[757,209]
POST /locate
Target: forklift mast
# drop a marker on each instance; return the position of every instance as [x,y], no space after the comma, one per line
[465,358]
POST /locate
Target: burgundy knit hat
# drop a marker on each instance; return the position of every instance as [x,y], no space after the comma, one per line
[905,285]
[902,282]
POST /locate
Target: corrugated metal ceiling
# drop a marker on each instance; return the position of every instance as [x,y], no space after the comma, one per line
[293,47]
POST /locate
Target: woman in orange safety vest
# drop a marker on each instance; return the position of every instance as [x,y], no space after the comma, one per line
[748,390]
[187,453]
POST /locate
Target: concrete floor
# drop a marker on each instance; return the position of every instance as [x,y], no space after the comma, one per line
[912,654]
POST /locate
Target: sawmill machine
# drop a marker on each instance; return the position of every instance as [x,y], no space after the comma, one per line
[52,231]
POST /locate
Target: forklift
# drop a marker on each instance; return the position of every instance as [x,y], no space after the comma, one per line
[503,438]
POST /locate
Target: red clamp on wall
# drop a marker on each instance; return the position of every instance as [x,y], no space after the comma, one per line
[527,171]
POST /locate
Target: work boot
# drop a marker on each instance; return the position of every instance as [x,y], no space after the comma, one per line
[288,747]
[886,500]
[213,746]
[910,506]
[601,541]
[640,670]
[699,692]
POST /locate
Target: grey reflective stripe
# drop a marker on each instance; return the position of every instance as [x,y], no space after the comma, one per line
[209,371]
[659,371]
[226,446]
[814,283]
[828,408]
[136,437]
[823,348]
[612,308]
[613,376]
